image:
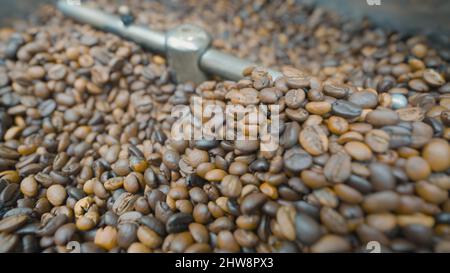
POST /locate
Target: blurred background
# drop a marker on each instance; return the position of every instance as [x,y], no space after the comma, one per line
[411,16]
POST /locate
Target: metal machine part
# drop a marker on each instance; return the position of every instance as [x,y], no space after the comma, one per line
[187,47]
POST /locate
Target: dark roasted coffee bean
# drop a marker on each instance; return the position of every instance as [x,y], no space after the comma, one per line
[364,99]
[338,168]
[259,165]
[5,120]
[290,135]
[438,127]
[252,203]
[126,234]
[64,234]
[418,234]
[307,229]
[296,160]
[381,177]
[359,183]
[178,222]
[52,225]
[345,109]
[206,144]
[30,244]
[333,220]
[443,218]
[154,224]
[47,107]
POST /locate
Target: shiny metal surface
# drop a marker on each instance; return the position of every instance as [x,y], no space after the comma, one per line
[185,46]
[228,66]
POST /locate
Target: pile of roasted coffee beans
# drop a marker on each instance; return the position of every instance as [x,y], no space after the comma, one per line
[86,155]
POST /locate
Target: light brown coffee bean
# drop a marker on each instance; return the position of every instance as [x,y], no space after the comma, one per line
[56,195]
[314,140]
[338,168]
[417,168]
[377,140]
[358,150]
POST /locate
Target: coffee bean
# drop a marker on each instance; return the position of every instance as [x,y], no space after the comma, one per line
[181,242]
[178,222]
[314,140]
[417,168]
[296,160]
[52,225]
[437,155]
[286,220]
[443,218]
[364,99]
[307,229]
[246,146]
[126,234]
[433,78]
[330,244]
[154,224]
[246,238]
[245,96]
[215,175]
[382,117]
[56,195]
[64,234]
[333,220]
[259,165]
[252,203]
[348,194]
[226,241]
[381,177]
[29,187]
[431,193]
[296,78]
[8,242]
[57,72]
[11,223]
[106,237]
[337,125]
[336,90]
[358,150]
[318,107]
[171,159]
[294,98]
[419,234]
[290,135]
[381,201]
[377,140]
[345,109]
[231,186]
[298,115]
[124,203]
[338,168]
